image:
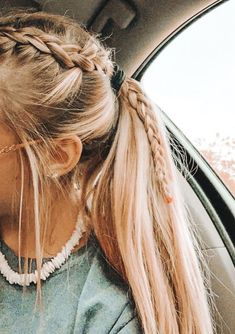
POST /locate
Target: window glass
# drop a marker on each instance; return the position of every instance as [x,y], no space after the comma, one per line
[193,81]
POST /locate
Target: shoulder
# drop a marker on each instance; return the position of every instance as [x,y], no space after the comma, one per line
[105,304]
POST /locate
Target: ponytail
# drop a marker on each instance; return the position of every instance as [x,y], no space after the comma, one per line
[138,209]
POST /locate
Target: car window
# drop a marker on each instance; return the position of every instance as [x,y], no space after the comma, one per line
[193,81]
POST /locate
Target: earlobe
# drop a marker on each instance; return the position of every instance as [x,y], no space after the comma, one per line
[67,155]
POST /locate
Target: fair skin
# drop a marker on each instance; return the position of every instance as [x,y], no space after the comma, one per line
[64,212]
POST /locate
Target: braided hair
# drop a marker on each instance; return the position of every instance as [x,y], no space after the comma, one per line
[57,81]
[85,59]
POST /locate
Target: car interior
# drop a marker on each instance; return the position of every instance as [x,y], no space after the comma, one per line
[138,30]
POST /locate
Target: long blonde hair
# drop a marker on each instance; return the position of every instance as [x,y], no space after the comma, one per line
[60,85]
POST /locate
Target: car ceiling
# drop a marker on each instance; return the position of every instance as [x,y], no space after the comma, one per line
[136,28]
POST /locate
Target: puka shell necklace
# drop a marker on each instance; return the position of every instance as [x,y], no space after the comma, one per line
[14,277]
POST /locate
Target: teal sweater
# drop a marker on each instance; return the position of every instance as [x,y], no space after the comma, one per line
[85,295]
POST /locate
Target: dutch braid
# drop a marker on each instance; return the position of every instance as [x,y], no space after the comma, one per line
[86,58]
[151,245]
[68,55]
[135,96]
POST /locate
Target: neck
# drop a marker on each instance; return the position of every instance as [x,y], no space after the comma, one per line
[58,232]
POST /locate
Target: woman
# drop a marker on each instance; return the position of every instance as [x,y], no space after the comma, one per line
[89,200]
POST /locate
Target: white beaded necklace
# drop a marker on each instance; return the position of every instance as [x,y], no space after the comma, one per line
[48,267]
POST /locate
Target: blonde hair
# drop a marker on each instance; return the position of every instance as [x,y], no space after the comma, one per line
[62,87]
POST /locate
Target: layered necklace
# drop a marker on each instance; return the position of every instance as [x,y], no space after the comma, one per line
[49,267]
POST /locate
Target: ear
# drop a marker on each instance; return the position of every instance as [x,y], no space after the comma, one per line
[67,155]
